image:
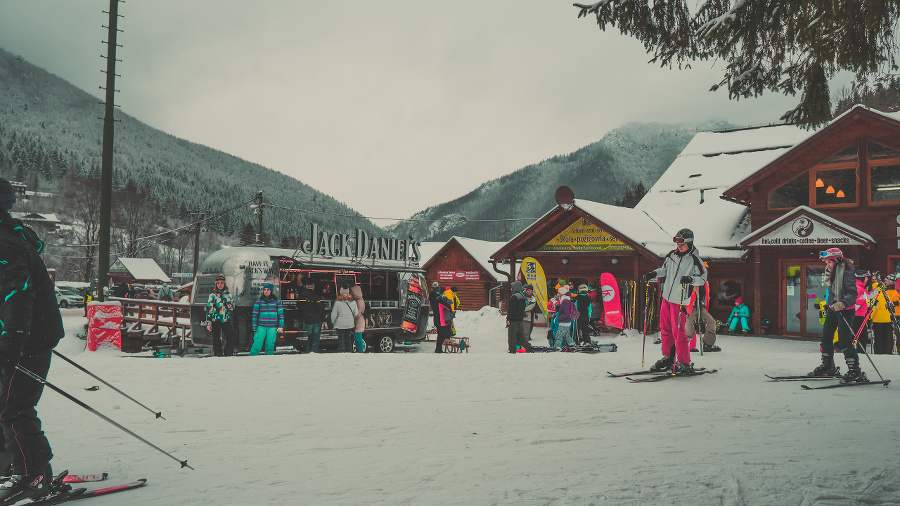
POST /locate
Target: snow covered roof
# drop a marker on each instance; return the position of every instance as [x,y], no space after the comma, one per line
[687,194]
[42,217]
[481,251]
[630,223]
[142,268]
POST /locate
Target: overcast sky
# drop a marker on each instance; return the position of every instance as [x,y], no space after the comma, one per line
[388,105]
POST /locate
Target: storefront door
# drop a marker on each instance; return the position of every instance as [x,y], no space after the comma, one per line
[802,285]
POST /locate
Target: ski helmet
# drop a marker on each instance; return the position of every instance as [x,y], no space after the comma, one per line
[832,253]
[684,235]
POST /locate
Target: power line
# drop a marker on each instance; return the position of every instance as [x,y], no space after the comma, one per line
[275,206]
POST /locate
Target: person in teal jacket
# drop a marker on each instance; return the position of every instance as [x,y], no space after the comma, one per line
[268,320]
[740,314]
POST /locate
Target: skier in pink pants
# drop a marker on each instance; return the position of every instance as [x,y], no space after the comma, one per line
[682,269]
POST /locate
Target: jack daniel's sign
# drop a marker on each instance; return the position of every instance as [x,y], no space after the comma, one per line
[360,245]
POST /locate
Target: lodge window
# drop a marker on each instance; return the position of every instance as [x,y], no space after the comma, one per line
[884,174]
[791,195]
[835,187]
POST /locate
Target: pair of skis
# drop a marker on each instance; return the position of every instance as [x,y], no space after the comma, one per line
[654,376]
[829,377]
[61,490]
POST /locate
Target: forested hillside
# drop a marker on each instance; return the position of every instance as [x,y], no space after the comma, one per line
[635,154]
[51,139]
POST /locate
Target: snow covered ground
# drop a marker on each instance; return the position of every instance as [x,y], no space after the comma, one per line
[480,428]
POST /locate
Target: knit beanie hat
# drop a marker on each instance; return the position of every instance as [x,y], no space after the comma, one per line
[7,194]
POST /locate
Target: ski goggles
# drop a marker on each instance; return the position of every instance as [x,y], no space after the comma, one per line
[680,240]
[831,253]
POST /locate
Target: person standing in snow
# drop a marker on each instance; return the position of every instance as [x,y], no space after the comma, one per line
[566,316]
[881,317]
[359,319]
[443,320]
[707,325]
[682,269]
[840,303]
[583,301]
[31,327]
[515,315]
[864,292]
[268,321]
[219,306]
[343,318]
[310,305]
[165,293]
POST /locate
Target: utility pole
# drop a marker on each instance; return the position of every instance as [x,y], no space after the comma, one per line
[198,218]
[258,208]
[106,167]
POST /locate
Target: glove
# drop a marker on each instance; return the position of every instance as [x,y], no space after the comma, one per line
[686,280]
[11,344]
[838,306]
[647,277]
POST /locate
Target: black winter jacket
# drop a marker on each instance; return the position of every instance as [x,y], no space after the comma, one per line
[310,306]
[515,312]
[27,299]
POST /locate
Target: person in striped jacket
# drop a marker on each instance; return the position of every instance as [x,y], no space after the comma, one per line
[268,320]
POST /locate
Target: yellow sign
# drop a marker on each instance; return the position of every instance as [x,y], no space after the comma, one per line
[583,235]
[534,275]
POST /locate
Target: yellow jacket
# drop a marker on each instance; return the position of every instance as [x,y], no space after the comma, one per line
[880,313]
[454,300]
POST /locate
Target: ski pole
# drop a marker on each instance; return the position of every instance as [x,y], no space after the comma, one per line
[854,345]
[646,317]
[101,415]
[89,373]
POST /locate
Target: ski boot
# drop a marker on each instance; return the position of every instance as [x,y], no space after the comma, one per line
[710,347]
[854,373]
[684,369]
[827,368]
[664,364]
[33,486]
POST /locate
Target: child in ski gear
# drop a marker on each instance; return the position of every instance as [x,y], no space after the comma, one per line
[30,327]
[359,319]
[219,306]
[343,318]
[681,268]
[515,314]
[740,315]
[268,320]
[310,306]
[566,314]
[841,302]
[552,306]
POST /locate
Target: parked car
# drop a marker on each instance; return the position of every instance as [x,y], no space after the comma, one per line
[69,297]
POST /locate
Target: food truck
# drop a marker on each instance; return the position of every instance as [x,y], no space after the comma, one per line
[387,269]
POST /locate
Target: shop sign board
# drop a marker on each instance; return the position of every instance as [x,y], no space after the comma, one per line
[803,231]
[458,276]
[582,235]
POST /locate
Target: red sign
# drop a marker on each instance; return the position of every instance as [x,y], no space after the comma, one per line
[458,275]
